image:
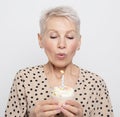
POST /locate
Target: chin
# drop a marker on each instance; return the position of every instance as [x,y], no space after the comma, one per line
[61,64]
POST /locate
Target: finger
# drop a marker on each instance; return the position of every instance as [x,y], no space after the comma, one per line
[73,106]
[67,113]
[72,103]
[71,109]
[51,113]
[50,107]
[42,105]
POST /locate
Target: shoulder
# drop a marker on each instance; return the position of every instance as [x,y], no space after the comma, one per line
[88,73]
[29,73]
[29,70]
[91,77]
[92,81]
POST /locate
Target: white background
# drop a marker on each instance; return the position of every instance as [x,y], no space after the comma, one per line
[100,48]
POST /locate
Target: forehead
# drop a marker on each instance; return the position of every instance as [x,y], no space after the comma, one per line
[60,23]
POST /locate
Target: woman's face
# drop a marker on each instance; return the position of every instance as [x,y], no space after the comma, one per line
[60,41]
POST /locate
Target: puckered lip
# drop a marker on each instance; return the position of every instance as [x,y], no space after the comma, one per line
[61,55]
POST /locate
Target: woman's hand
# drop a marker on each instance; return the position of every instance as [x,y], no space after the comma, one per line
[46,108]
[72,109]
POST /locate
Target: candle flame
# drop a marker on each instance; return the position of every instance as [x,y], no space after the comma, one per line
[61,71]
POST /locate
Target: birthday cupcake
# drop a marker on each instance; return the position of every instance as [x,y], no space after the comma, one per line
[62,94]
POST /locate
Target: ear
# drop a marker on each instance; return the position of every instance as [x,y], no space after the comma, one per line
[79,42]
[40,40]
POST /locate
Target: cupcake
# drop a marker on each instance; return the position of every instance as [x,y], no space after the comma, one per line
[62,94]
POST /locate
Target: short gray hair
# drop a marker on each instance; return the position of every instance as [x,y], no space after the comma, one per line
[61,11]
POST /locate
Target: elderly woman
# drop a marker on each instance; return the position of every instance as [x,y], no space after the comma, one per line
[30,94]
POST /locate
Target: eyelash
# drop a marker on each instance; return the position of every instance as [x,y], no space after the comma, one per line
[53,37]
[70,38]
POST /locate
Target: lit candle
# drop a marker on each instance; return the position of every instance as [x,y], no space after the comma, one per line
[62,79]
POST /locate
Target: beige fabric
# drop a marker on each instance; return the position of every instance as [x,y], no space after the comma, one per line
[31,85]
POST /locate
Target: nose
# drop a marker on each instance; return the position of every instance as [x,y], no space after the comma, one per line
[61,43]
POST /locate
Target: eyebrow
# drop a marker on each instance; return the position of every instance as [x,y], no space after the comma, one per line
[50,30]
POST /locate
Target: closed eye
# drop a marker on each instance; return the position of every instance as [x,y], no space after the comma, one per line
[53,37]
[70,37]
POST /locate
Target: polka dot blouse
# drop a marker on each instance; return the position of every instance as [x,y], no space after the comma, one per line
[30,85]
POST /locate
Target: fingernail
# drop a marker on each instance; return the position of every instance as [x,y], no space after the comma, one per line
[64,105]
[58,111]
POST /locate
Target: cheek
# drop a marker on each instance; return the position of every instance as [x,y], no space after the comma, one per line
[73,48]
[48,46]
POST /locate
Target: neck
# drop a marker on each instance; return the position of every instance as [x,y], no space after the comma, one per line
[71,74]
[50,68]
[57,68]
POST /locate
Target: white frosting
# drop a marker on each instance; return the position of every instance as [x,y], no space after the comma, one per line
[61,92]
